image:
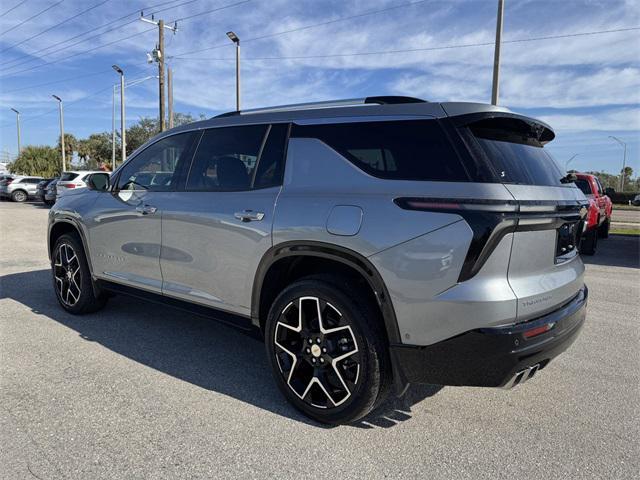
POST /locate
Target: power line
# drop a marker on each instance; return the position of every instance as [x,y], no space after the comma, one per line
[314,25]
[32,17]
[30,56]
[120,39]
[55,26]
[13,8]
[409,50]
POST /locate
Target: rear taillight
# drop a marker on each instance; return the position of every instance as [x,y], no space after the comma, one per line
[70,185]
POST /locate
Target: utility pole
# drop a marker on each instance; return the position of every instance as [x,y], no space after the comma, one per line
[496,55]
[18,126]
[158,56]
[170,95]
[64,161]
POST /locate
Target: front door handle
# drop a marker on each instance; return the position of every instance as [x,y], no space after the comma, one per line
[249,216]
[146,209]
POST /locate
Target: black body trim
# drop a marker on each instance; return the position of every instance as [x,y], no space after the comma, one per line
[332,252]
[234,320]
[491,357]
[491,220]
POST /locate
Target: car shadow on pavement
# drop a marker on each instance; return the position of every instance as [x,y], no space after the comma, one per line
[616,251]
[188,347]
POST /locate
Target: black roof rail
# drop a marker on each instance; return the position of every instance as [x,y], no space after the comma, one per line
[381,100]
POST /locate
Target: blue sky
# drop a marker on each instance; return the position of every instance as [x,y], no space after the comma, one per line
[587,87]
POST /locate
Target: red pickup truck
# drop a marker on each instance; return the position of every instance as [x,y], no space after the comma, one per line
[599,215]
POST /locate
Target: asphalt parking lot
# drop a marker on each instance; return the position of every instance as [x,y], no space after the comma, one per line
[143,391]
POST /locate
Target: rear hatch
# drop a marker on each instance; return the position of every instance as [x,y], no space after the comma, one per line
[544,269]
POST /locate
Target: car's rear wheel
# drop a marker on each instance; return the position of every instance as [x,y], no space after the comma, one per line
[603,231]
[72,278]
[19,196]
[589,242]
[327,351]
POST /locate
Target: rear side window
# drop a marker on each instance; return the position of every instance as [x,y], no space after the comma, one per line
[68,176]
[583,185]
[398,150]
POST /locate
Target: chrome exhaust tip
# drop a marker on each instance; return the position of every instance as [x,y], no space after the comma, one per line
[522,376]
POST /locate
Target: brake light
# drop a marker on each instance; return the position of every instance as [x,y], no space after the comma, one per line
[70,185]
[534,332]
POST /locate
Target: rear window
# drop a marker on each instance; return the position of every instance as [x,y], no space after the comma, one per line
[68,176]
[515,154]
[583,185]
[399,150]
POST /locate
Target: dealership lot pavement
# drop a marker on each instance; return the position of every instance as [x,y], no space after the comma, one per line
[143,391]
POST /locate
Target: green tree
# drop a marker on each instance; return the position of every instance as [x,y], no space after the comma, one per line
[35,160]
[95,150]
[70,146]
[147,127]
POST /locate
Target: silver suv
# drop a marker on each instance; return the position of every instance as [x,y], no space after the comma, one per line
[372,243]
[20,188]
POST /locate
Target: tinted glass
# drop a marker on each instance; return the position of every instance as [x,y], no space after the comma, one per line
[584,186]
[399,150]
[68,176]
[271,164]
[226,158]
[156,167]
[515,153]
[600,189]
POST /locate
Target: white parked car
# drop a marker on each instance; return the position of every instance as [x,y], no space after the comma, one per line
[74,179]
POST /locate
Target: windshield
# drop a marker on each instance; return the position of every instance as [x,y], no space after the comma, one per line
[68,176]
[583,185]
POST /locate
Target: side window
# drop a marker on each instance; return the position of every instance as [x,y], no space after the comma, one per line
[271,164]
[398,150]
[156,167]
[226,158]
[600,189]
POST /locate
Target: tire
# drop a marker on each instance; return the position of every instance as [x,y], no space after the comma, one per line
[589,242]
[603,230]
[72,278]
[19,196]
[336,370]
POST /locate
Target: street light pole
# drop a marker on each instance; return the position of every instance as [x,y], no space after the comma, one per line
[566,165]
[234,38]
[64,160]
[113,130]
[624,160]
[496,55]
[123,139]
[18,126]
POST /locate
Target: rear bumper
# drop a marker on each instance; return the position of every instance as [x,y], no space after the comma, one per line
[492,357]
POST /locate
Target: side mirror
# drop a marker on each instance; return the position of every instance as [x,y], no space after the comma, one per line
[609,191]
[99,182]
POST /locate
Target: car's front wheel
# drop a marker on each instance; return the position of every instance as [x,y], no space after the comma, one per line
[72,278]
[327,351]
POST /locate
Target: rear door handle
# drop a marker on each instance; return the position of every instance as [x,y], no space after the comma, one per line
[249,216]
[146,209]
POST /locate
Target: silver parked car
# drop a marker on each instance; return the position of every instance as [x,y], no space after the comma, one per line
[372,243]
[20,188]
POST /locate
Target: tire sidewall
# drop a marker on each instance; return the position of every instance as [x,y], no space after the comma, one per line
[86,300]
[364,397]
[19,196]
